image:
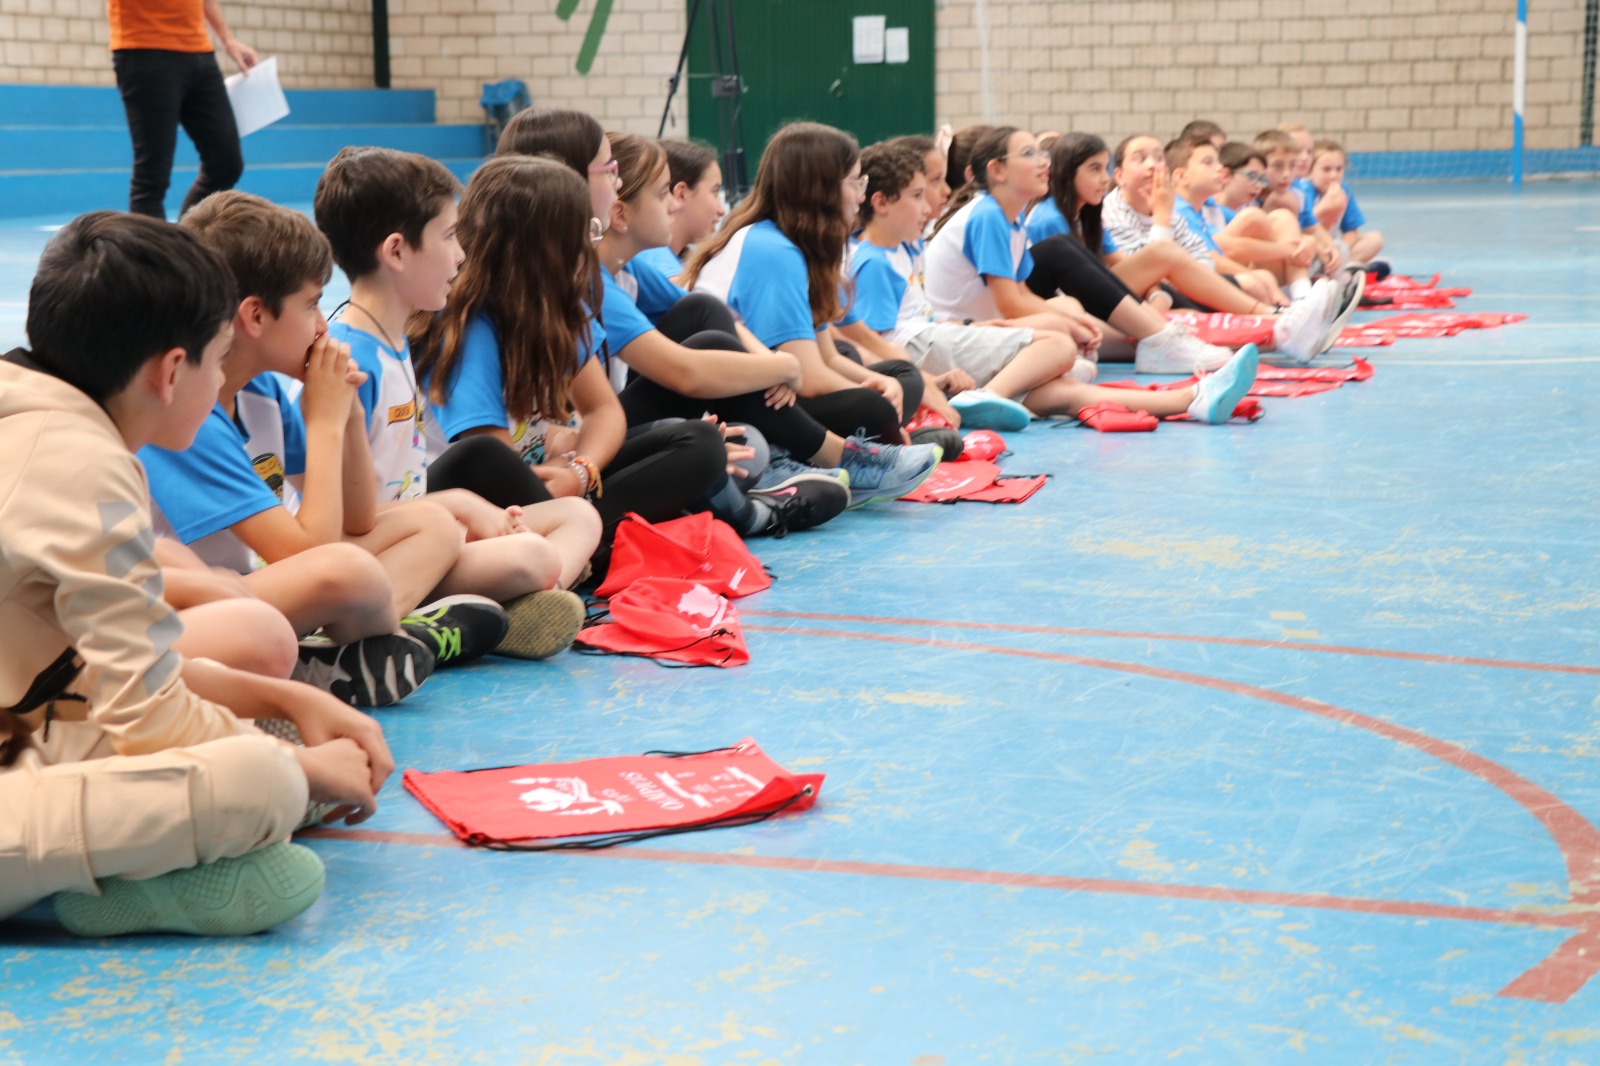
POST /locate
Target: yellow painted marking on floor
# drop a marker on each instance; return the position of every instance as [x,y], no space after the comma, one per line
[1301,634]
[1286,616]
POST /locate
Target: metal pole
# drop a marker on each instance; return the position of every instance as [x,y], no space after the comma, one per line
[1519,90]
[380,44]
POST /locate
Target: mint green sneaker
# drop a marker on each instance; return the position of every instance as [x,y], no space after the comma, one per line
[229,897]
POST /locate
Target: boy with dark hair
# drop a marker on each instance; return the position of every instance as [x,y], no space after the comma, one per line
[389,218]
[260,482]
[130,795]
[1203,129]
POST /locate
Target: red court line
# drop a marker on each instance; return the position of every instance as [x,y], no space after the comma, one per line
[1237,642]
[1099,885]
[1560,975]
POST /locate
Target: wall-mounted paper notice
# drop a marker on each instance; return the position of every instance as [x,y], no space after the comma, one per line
[867,38]
[257,98]
[897,44]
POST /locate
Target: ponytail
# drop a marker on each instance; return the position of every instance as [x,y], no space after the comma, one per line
[985,150]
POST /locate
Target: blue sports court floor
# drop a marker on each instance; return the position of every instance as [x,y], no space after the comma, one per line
[1270,743]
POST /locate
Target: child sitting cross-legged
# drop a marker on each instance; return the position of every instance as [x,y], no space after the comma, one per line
[270,476]
[390,219]
[134,787]
[1328,162]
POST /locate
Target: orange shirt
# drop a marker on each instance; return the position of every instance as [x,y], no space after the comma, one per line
[171,25]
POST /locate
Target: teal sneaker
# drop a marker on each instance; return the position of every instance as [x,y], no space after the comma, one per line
[229,897]
[886,471]
[981,409]
[1218,393]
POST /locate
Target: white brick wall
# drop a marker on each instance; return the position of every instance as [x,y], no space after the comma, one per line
[1381,76]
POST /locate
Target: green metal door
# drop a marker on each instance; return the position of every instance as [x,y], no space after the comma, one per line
[797,61]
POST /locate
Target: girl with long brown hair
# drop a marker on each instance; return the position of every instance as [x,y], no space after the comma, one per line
[515,354]
[778,261]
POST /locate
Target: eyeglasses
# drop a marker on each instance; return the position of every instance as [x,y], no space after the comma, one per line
[613,170]
[1254,177]
[859,184]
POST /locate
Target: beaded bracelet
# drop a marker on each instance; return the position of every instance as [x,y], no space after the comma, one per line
[588,474]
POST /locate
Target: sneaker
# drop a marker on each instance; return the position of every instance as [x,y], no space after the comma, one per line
[458,629]
[1351,284]
[541,624]
[948,440]
[372,672]
[782,467]
[982,409]
[229,897]
[886,471]
[805,501]
[1216,395]
[1177,351]
[1299,331]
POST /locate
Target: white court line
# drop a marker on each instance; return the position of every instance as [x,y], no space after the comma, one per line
[1502,363]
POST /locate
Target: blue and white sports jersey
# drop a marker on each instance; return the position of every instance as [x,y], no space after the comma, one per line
[235,469]
[1308,201]
[396,418]
[890,297]
[625,322]
[660,260]
[1196,223]
[1046,220]
[475,394]
[761,275]
[648,279]
[979,241]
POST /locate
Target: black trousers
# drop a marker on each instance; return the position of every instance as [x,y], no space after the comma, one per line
[1062,263]
[161,91]
[704,323]
[662,474]
[850,411]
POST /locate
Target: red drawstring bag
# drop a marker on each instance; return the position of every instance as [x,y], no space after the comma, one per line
[927,418]
[699,548]
[982,444]
[1110,417]
[1013,489]
[953,481]
[600,802]
[1363,337]
[1230,331]
[1248,409]
[1358,370]
[670,618]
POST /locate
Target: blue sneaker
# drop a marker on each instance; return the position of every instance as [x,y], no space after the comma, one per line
[886,471]
[981,409]
[783,468]
[1218,393]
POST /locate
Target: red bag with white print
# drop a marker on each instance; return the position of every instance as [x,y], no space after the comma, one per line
[669,618]
[596,803]
[698,548]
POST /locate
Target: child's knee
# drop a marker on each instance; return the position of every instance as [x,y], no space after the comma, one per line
[246,792]
[261,639]
[346,575]
[1060,349]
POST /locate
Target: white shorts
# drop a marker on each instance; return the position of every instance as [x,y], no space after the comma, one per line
[982,351]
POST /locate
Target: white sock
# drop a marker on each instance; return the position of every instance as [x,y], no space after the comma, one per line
[1299,289]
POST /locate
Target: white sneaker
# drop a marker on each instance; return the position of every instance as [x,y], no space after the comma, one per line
[1301,330]
[1177,351]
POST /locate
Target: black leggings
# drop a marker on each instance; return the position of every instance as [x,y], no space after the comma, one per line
[658,475]
[704,323]
[1062,263]
[162,90]
[862,410]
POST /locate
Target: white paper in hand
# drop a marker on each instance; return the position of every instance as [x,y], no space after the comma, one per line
[257,98]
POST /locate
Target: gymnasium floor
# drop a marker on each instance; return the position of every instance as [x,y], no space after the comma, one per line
[1270,743]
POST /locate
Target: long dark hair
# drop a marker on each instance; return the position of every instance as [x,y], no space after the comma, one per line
[524,224]
[990,146]
[800,187]
[561,133]
[1068,154]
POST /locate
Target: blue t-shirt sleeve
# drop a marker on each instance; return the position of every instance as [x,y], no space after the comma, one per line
[1108,243]
[364,353]
[657,291]
[475,391]
[210,485]
[1308,202]
[1191,217]
[625,323]
[1353,218]
[987,246]
[772,291]
[1045,220]
[879,288]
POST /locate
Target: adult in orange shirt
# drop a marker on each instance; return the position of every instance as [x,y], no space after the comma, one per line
[168,76]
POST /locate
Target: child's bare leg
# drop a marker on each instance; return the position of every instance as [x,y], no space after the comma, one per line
[1260,286]
[246,634]
[1048,357]
[338,588]
[1366,246]
[417,543]
[1165,261]
[503,568]
[572,527]
[1068,396]
[1286,228]
[1251,222]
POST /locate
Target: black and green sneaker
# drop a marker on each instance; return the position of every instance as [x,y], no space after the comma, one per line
[458,629]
